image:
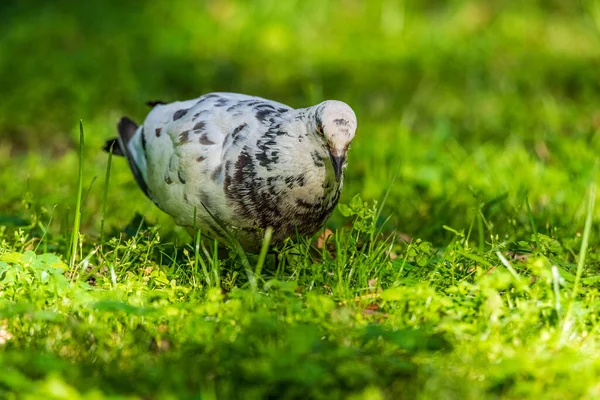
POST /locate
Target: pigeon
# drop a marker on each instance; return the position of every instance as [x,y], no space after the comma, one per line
[232,165]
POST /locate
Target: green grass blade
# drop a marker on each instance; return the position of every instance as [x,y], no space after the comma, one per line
[263,251]
[556,288]
[237,247]
[105,191]
[77,217]
[512,270]
[197,256]
[532,223]
[45,230]
[582,257]
[480,230]
[374,233]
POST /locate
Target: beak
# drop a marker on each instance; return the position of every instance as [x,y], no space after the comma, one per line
[338,164]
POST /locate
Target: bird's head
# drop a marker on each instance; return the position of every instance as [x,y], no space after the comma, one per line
[335,123]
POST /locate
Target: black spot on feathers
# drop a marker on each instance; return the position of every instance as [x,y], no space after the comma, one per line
[179,114]
[204,139]
[199,127]
[184,137]
[238,129]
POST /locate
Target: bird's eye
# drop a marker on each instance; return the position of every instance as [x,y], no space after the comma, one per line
[320,129]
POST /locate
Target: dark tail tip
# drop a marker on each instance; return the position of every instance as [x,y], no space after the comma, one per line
[126,128]
[154,103]
[112,145]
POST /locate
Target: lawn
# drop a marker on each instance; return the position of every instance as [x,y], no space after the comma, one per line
[464,258]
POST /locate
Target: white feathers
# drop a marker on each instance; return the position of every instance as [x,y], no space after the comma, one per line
[244,162]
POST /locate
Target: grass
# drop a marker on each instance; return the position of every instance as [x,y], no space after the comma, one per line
[77,216]
[463,260]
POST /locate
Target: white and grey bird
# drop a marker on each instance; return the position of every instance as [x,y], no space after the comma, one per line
[242,163]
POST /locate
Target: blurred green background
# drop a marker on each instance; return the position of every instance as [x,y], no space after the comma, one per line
[473,104]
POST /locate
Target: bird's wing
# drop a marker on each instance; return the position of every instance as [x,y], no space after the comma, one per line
[184,149]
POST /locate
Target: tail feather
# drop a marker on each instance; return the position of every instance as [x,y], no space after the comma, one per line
[154,103]
[127,129]
[112,145]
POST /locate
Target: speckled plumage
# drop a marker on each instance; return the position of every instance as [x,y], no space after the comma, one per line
[243,161]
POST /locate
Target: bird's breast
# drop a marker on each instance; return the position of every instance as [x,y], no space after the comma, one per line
[291,192]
